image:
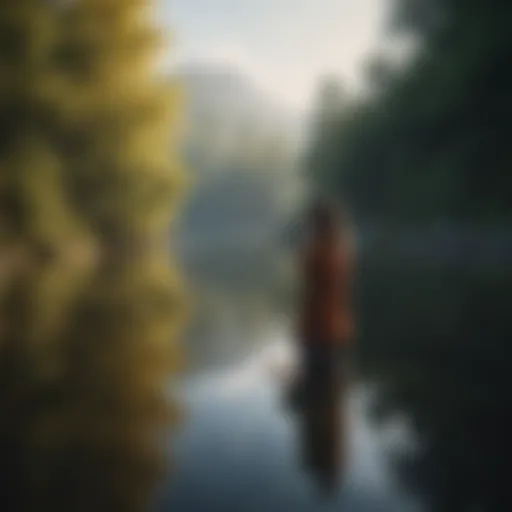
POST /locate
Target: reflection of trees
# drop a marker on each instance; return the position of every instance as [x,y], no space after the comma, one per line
[459,404]
[234,301]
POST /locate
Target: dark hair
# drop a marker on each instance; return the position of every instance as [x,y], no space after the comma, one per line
[324,216]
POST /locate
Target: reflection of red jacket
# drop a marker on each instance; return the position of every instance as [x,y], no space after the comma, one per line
[325,438]
[326,315]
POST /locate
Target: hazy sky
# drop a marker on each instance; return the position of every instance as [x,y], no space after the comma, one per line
[285,45]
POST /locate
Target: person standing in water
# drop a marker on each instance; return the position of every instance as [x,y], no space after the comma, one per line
[326,324]
[325,332]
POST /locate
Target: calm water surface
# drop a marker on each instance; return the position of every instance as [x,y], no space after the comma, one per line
[424,425]
[240,448]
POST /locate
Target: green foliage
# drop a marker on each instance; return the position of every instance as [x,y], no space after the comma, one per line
[89,306]
[432,144]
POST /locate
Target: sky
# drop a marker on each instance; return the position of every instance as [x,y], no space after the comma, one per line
[285,46]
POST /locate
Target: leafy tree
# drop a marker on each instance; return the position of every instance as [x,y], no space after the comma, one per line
[330,107]
[433,145]
[89,303]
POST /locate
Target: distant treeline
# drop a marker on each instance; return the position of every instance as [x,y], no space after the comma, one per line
[429,141]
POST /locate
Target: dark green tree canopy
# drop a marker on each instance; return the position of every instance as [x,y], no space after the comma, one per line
[433,143]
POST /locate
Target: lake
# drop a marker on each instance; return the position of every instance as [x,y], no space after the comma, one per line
[240,447]
[422,425]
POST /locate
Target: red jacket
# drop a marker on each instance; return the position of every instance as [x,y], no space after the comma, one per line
[326,315]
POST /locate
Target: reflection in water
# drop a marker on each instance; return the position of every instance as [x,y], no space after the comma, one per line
[433,368]
[242,448]
[463,419]
[321,437]
[450,374]
[321,421]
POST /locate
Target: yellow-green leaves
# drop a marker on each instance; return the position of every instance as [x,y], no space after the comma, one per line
[90,305]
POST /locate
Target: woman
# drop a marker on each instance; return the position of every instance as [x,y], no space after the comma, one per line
[325,318]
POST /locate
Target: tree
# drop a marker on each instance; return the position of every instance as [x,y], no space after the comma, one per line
[89,303]
[379,73]
[330,108]
[433,145]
